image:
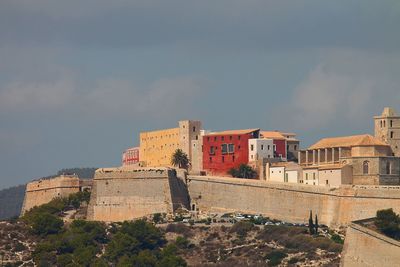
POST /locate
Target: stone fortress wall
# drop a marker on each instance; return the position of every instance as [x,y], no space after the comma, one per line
[291,202]
[124,194]
[364,247]
[44,190]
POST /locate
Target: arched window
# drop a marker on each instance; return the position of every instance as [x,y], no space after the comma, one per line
[388,168]
[366,167]
[381,124]
[384,123]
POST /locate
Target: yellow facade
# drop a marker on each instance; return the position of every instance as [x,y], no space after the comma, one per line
[157,147]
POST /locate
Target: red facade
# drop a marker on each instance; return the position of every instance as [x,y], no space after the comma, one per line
[280,148]
[226,150]
[130,156]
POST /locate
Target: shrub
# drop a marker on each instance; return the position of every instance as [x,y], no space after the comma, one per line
[179,228]
[275,257]
[242,228]
[337,239]
[19,247]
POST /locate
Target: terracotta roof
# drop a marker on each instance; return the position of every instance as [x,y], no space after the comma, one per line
[272,135]
[234,132]
[348,141]
[331,166]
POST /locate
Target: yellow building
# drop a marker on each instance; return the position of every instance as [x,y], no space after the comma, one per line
[157,147]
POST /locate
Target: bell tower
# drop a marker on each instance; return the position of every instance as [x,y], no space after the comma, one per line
[387,129]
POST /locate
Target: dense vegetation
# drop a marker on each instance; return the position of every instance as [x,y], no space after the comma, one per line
[11,199]
[84,243]
[388,222]
[243,171]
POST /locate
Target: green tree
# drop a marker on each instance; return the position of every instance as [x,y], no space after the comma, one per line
[311,224]
[316,224]
[244,171]
[180,159]
[44,224]
[157,218]
[388,223]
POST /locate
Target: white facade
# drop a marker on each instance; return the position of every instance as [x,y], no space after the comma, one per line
[277,174]
[310,176]
[260,149]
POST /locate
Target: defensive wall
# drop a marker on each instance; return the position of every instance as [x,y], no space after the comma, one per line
[120,194]
[335,206]
[364,247]
[44,190]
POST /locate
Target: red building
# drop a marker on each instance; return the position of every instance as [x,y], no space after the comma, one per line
[279,143]
[130,156]
[225,150]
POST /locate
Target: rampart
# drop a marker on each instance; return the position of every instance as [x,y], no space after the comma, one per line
[291,202]
[364,247]
[120,194]
[44,190]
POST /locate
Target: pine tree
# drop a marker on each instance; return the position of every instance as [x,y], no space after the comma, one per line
[316,224]
[311,224]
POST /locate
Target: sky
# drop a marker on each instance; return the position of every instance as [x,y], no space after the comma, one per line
[79,79]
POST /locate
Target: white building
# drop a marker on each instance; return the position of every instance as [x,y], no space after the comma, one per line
[284,172]
[260,149]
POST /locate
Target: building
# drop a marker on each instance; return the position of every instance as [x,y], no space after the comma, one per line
[260,148]
[284,172]
[130,156]
[279,143]
[292,146]
[371,161]
[387,129]
[157,147]
[225,150]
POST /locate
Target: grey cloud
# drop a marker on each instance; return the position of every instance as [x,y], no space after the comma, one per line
[262,24]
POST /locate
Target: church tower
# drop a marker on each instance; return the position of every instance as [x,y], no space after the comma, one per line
[387,129]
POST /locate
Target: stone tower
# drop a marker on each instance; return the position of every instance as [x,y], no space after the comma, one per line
[189,131]
[387,128]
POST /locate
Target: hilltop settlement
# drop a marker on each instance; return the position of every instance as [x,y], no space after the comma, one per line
[205,174]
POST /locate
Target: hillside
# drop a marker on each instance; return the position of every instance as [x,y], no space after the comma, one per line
[52,235]
[11,199]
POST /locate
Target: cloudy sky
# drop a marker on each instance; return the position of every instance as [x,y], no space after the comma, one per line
[80,78]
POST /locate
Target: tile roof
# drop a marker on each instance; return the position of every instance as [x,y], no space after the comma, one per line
[272,135]
[348,141]
[234,132]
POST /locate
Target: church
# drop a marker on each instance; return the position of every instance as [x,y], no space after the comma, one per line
[358,159]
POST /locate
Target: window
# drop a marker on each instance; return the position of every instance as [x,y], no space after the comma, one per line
[210,159]
[252,147]
[231,148]
[384,123]
[286,177]
[222,138]
[262,147]
[238,147]
[197,137]
[366,167]
[208,138]
[388,168]
[306,176]
[215,138]
[269,147]
[212,150]
[287,148]
[295,147]
[274,147]
[224,148]
[391,123]
[233,158]
[230,137]
[194,128]
[391,134]
[381,124]
[239,137]
[313,175]
[326,181]
[223,159]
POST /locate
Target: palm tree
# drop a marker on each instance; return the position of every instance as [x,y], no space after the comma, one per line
[180,159]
